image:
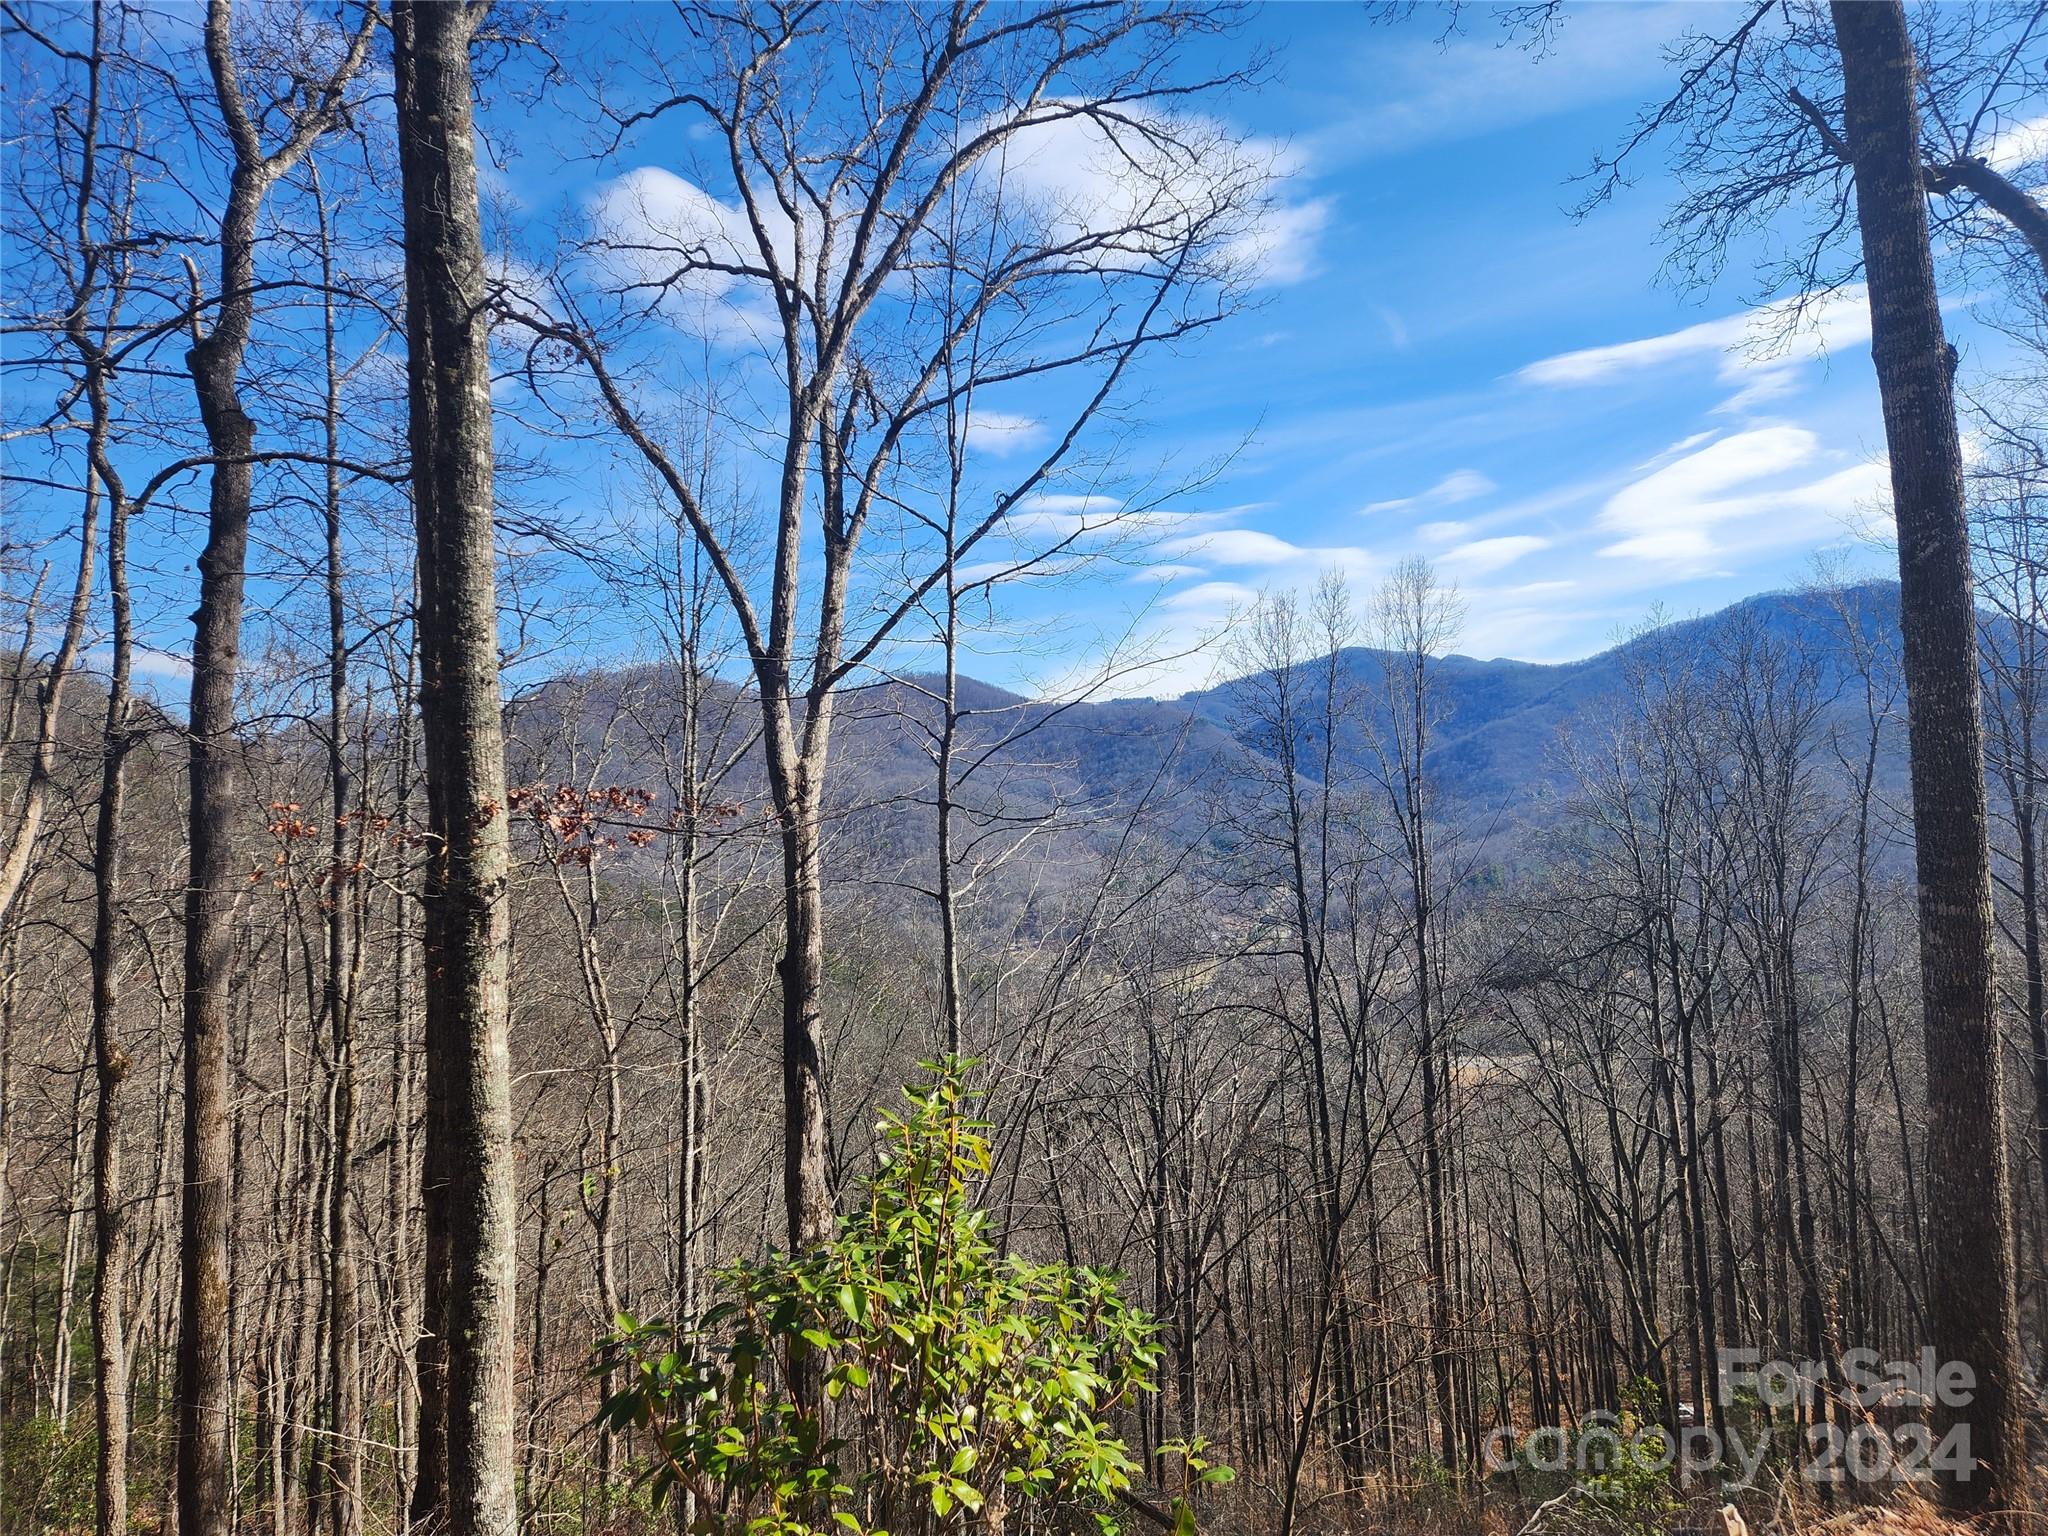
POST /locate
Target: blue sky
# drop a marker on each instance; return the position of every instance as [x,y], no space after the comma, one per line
[1443,361]
[1468,373]
[1437,360]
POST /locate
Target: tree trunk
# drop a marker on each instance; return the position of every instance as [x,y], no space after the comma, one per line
[205,1404]
[807,1192]
[205,1409]
[110,1237]
[470,1207]
[1972,1306]
[341,1459]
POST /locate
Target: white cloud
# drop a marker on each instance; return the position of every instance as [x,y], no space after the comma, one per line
[1680,489]
[1135,186]
[1110,194]
[1277,559]
[1602,365]
[1456,488]
[1462,485]
[652,219]
[1278,246]
[1062,515]
[1093,520]
[1002,433]
[1759,351]
[1211,598]
[656,228]
[1483,555]
[1235,566]
[2018,146]
[1742,493]
[1684,548]
[1683,446]
[1236,546]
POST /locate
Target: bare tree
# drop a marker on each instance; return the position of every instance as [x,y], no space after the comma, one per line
[837,203]
[1418,619]
[1973,1305]
[471,1237]
[215,363]
[94,155]
[1754,128]
[92,257]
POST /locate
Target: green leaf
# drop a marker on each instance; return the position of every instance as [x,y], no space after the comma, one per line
[1000,1369]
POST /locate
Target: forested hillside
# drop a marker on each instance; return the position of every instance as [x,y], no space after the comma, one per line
[541,996]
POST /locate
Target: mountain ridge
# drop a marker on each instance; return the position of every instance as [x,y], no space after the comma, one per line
[1496,759]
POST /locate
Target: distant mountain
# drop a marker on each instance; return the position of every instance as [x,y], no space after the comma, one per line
[1497,762]
[1499,724]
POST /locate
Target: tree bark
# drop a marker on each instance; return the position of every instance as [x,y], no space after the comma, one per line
[341,1463]
[111,1065]
[470,1207]
[1972,1308]
[205,1407]
[807,1193]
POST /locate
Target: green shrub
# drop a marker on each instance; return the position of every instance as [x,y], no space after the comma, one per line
[959,1384]
[46,1473]
[1628,1478]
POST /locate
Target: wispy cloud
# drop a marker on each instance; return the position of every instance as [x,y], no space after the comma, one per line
[1274,560]
[1431,90]
[1759,351]
[1002,433]
[1765,488]
[1484,555]
[2019,146]
[1456,488]
[1062,515]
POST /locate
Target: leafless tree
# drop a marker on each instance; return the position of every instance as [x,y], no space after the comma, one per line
[819,241]
[215,363]
[471,1235]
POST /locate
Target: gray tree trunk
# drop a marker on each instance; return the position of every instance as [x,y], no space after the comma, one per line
[205,1404]
[341,1462]
[469,1201]
[111,1066]
[1971,1300]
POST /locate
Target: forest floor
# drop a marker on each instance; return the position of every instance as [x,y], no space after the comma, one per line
[1760,1514]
